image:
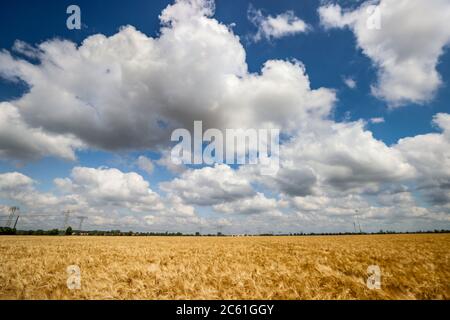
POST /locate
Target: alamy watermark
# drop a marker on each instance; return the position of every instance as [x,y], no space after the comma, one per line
[373,21]
[74,20]
[73,277]
[374,279]
[238,146]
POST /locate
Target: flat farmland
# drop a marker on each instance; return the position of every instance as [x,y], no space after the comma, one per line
[307,267]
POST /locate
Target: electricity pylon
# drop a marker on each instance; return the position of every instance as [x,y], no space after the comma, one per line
[15,223]
[357,220]
[81,218]
[12,212]
[66,219]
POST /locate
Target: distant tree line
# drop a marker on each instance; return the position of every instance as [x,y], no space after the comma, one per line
[7,231]
[70,231]
[39,232]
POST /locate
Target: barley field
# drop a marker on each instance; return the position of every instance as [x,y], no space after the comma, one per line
[316,267]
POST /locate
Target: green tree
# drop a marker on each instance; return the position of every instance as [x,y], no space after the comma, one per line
[53,232]
[69,231]
[7,231]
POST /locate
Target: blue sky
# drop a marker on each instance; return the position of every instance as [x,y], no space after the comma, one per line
[329,55]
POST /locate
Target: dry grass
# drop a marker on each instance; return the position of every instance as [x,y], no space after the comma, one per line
[413,267]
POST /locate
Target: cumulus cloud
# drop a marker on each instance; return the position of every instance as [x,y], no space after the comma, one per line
[383,29]
[167,162]
[402,198]
[348,205]
[105,187]
[258,204]
[18,140]
[346,156]
[129,91]
[430,155]
[107,196]
[391,211]
[145,164]
[210,185]
[274,27]
[20,188]
[14,181]
[295,180]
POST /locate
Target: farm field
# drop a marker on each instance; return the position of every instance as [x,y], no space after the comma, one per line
[309,267]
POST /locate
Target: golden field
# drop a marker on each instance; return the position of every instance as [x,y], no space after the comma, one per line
[318,267]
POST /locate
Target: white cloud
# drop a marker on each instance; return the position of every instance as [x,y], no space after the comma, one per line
[350,82]
[344,206]
[129,91]
[406,69]
[377,120]
[145,164]
[345,156]
[167,162]
[442,120]
[14,181]
[20,141]
[20,188]
[177,208]
[274,27]
[400,198]
[331,16]
[430,155]
[108,197]
[209,186]
[259,204]
[105,187]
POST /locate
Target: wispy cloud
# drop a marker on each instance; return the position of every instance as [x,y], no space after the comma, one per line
[274,27]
